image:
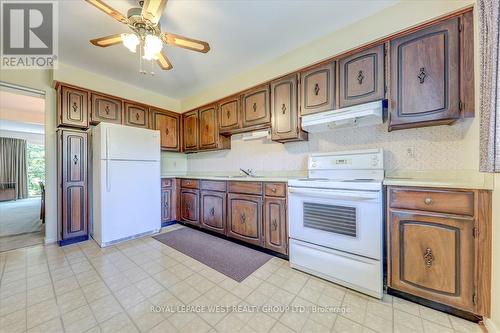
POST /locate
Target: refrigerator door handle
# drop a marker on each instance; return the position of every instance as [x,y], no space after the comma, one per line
[108,183]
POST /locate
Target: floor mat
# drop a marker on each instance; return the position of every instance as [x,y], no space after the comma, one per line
[231,259]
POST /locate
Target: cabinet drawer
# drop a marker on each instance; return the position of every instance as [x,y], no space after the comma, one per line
[245,187]
[189,183]
[213,185]
[166,182]
[451,202]
[275,189]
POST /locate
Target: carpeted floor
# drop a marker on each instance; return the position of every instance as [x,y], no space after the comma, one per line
[20,216]
[20,224]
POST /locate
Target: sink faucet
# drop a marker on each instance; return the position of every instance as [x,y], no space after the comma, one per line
[248,172]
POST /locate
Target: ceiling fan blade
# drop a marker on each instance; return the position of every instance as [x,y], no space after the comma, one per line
[185,42]
[107,41]
[108,10]
[163,61]
[152,10]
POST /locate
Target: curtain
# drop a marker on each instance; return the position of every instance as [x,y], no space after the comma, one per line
[13,166]
[489,21]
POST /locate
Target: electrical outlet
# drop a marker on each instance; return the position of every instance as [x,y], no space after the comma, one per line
[410,152]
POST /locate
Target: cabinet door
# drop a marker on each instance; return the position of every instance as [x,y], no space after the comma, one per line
[189,206]
[285,125]
[168,125]
[275,226]
[245,218]
[190,123]
[256,107]
[229,115]
[73,166]
[433,257]
[166,205]
[425,80]
[318,89]
[362,77]
[73,107]
[208,127]
[136,115]
[105,109]
[213,211]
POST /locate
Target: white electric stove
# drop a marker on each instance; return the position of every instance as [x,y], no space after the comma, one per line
[335,219]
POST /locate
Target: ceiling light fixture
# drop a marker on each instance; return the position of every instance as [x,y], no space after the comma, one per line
[130,41]
[152,47]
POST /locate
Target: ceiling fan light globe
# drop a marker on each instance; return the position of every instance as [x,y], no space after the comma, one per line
[130,41]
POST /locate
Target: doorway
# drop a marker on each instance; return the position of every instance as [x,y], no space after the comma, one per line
[22,168]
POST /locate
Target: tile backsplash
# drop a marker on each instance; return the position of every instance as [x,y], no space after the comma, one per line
[429,148]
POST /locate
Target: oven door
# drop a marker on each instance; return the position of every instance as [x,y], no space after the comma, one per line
[344,220]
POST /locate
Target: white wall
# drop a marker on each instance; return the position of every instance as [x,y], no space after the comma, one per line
[33,138]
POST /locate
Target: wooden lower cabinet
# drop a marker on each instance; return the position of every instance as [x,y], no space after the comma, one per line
[213,211]
[166,205]
[433,257]
[275,226]
[73,185]
[190,212]
[440,257]
[245,218]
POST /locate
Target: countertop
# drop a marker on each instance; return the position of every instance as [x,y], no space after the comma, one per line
[464,179]
[271,176]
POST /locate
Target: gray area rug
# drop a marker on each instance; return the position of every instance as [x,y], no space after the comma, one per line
[231,259]
[20,216]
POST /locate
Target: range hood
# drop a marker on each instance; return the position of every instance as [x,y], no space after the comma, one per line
[353,116]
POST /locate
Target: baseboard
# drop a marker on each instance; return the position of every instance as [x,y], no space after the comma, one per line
[490,326]
[49,241]
[166,224]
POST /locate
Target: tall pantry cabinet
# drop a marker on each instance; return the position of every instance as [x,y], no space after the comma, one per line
[72,163]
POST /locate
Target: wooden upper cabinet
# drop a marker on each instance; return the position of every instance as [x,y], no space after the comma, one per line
[256,107]
[73,107]
[425,77]
[208,127]
[318,89]
[229,115]
[275,226]
[433,257]
[190,130]
[245,217]
[72,155]
[105,109]
[168,123]
[213,211]
[285,124]
[362,77]
[136,115]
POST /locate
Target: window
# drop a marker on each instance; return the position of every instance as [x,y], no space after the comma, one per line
[36,168]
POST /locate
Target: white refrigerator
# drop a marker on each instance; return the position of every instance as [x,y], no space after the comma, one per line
[126,199]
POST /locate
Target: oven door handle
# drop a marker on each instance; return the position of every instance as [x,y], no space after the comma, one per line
[335,194]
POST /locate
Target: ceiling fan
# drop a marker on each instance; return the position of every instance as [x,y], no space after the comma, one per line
[146,33]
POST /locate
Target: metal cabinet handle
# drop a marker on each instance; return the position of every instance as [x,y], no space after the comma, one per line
[228,113]
[75,107]
[428,257]
[283,108]
[212,211]
[106,109]
[422,75]
[360,77]
[273,190]
[167,131]
[275,224]
[137,116]
[243,218]
[75,159]
[254,107]
[165,204]
[428,201]
[316,89]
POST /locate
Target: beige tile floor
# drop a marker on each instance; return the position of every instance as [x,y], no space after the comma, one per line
[83,288]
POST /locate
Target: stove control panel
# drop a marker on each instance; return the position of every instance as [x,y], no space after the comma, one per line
[360,159]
